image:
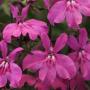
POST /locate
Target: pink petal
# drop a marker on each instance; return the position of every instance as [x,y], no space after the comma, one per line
[86,70]
[83,37]
[15,75]
[38,53]
[85,10]
[26,79]
[14,53]
[9,31]
[45,41]
[43,73]
[14,10]
[74,56]
[25,11]
[73,43]
[66,62]
[36,28]
[56,13]
[59,83]
[73,17]
[62,72]
[60,42]
[51,74]
[3,48]
[32,62]
[87,48]
[3,81]
[47,4]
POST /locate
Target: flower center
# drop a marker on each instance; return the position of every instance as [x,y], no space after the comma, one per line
[50,60]
[4,66]
[71,3]
[84,56]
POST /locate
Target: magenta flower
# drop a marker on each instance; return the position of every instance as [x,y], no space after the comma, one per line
[31,27]
[9,71]
[49,62]
[71,10]
[81,53]
[78,83]
[30,80]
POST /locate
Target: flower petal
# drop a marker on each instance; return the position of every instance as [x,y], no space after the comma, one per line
[73,43]
[67,63]
[60,42]
[83,37]
[45,41]
[3,81]
[43,73]
[14,53]
[36,28]
[14,75]
[9,31]
[87,48]
[3,48]
[86,70]
[73,17]
[32,62]
[26,79]
[56,13]
[25,11]
[51,74]
[14,10]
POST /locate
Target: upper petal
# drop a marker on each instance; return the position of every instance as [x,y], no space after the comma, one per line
[45,41]
[14,10]
[3,48]
[73,43]
[83,37]
[60,42]
[25,11]
[15,52]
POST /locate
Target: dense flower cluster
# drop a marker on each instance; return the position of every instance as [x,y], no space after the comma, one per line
[51,67]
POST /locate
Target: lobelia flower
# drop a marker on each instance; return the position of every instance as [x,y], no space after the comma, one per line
[38,84]
[81,53]
[71,10]
[50,63]
[31,27]
[30,80]
[78,83]
[9,71]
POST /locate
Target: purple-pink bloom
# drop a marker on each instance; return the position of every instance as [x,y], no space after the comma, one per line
[9,71]
[71,10]
[31,27]
[81,52]
[30,80]
[50,63]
